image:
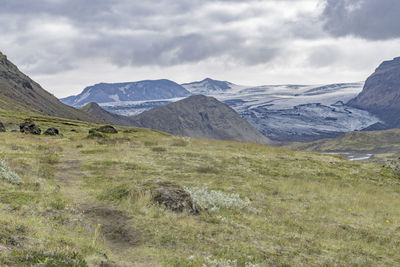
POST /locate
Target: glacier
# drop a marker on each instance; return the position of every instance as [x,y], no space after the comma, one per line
[281,112]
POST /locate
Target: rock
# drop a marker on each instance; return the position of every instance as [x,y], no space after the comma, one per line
[174,198]
[29,126]
[2,128]
[107,129]
[52,131]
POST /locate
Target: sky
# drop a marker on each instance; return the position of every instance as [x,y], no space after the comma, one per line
[66,45]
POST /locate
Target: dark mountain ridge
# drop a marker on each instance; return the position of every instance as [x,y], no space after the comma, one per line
[18,92]
[381,93]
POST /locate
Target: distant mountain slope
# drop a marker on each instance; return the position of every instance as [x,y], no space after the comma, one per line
[106,117]
[20,93]
[200,117]
[197,116]
[207,86]
[130,91]
[381,93]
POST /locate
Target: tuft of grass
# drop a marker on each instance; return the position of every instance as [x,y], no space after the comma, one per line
[150,143]
[207,169]
[43,258]
[159,149]
[183,141]
[93,134]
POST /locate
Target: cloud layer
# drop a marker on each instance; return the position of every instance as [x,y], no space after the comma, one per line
[79,42]
[369,19]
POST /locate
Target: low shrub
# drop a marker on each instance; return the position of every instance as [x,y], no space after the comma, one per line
[213,200]
[8,175]
[394,166]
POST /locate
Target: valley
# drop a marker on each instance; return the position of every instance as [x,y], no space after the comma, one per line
[205,133]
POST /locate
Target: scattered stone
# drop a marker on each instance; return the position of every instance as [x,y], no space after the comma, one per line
[52,131]
[29,126]
[107,129]
[2,128]
[174,198]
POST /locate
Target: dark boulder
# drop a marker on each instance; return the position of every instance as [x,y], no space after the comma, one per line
[107,129]
[29,126]
[174,198]
[2,128]
[52,131]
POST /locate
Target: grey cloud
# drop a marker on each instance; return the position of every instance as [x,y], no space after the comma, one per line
[142,33]
[324,56]
[369,19]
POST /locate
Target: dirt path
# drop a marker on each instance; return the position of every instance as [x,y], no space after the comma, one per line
[114,225]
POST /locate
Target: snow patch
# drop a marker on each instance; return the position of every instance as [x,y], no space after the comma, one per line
[115,98]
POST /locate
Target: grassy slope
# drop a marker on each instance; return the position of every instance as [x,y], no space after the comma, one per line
[383,144]
[78,194]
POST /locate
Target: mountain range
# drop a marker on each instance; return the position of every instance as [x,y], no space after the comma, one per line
[197,116]
[280,112]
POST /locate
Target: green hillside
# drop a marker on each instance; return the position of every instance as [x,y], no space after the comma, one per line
[91,201]
[383,145]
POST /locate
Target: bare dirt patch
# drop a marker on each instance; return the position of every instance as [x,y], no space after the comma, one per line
[114,226]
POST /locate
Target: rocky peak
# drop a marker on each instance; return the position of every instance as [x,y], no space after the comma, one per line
[381,93]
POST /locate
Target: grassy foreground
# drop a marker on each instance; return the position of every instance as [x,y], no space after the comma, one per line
[86,201]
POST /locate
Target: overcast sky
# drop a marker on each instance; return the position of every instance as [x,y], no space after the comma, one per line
[66,45]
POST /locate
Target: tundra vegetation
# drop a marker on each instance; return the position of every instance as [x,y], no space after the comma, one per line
[90,202]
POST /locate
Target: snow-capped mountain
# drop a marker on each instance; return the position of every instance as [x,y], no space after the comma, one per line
[282,112]
[130,91]
[210,86]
